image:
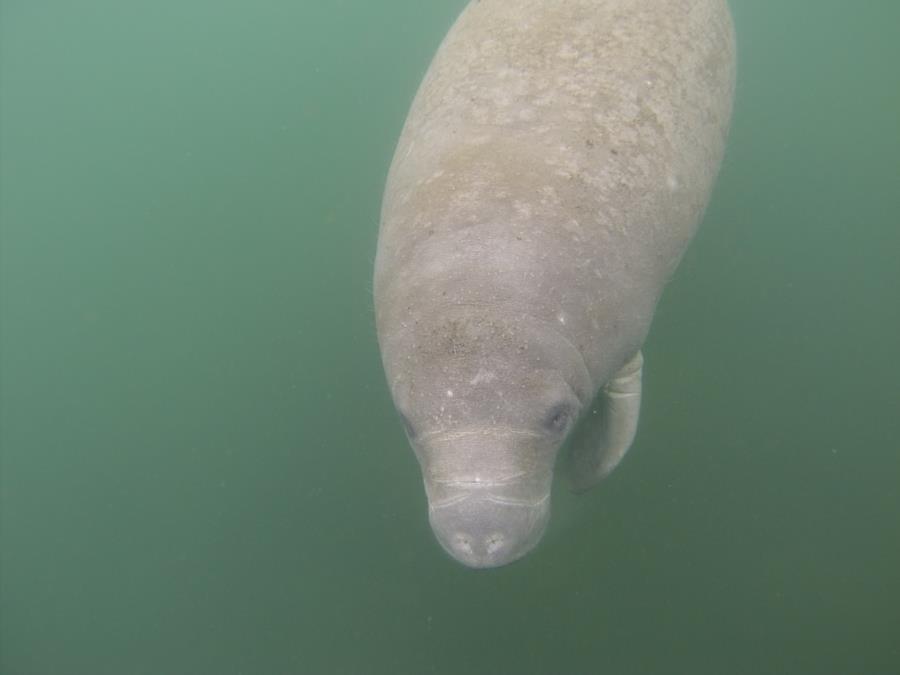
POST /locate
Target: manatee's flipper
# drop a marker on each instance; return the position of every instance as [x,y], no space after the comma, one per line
[606,430]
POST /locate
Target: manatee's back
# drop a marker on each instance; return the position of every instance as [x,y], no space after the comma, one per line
[567,144]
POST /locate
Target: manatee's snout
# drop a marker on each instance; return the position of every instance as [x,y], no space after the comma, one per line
[484,525]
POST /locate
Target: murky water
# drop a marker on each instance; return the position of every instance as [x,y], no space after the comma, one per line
[201,469]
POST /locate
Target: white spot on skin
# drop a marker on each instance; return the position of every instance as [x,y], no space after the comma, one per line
[574,227]
[561,318]
[523,209]
[483,376]
[449,393]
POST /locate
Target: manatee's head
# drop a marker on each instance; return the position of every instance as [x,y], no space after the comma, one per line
[487,399]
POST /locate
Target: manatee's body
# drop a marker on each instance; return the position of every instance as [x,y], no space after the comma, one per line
[554,166]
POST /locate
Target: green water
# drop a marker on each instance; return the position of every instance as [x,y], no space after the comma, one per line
[201,470]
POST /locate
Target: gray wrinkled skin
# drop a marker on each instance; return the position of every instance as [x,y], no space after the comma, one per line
[554,166]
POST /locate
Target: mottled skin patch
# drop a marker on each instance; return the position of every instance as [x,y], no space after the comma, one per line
[553,167]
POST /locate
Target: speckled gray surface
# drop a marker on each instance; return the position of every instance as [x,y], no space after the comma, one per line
[554,165]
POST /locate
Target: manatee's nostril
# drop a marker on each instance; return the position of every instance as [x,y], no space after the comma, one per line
[473,544]
[464,543]
[494,542]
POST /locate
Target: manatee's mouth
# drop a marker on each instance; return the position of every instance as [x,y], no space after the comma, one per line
[487,524]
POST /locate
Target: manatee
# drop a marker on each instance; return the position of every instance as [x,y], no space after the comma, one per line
[555,163]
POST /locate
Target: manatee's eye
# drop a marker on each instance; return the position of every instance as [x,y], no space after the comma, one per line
[558,418]
[407,425]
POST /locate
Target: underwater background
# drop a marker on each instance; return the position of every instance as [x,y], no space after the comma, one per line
[201,471]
